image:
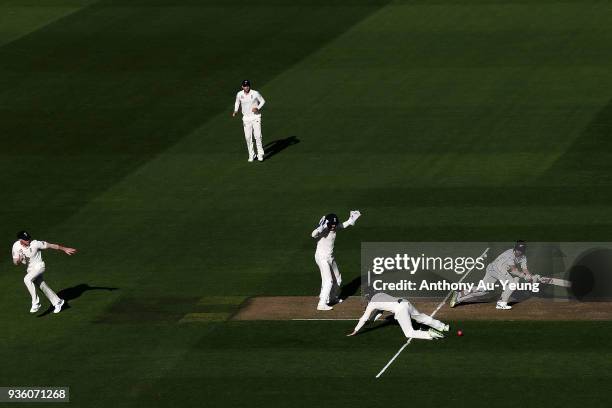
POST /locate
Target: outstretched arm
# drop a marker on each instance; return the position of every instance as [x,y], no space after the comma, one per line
[320,229]
[354,215]
[58,247]
[366,316]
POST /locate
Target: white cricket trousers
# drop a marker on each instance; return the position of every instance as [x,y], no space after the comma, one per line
[252,129]
[406,312]
[34,279]
[329,272]
[491,276]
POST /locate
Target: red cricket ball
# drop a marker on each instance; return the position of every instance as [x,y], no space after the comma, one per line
[459,333]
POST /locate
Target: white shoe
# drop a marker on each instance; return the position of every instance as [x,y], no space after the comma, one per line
[435,334]
[503,306]
[58,307]
[35,308]
[324,307]
[260,158]
[250,159]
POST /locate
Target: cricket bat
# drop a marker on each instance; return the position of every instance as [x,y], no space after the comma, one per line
[555,281]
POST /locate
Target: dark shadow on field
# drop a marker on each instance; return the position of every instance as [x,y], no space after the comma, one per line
[387,320]
[275,147]
[350,288]
[154,309]
[74,292]
[127,83]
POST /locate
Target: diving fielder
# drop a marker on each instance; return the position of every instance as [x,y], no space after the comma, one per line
[27,251]
[403,311]
[325,234]
[509,267]
[251,103]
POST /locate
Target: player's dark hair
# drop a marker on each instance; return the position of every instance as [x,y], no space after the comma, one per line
[25,235]
[520,246]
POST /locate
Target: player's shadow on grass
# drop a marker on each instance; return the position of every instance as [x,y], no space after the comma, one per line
[277,146]
[74,292]
[350,288]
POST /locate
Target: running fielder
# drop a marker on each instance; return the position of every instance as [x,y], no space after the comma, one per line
[509,267]
[27,251]
[325,234]
[251,103]
[403,312]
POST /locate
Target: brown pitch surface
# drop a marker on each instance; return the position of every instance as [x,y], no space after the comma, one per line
[304,307]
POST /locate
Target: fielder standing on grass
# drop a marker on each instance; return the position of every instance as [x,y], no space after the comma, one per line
[325,234]
[508,268]
[27,251]
[251,103]
[403,311]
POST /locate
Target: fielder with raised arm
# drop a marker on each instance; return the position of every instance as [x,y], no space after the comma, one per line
[251,103]
[403,311]
[325,234]
[27,251]
[508,268]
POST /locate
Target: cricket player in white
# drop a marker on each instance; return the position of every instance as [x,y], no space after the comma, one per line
[507,267]
[251,103]
[27,251]
[403,311]
[325,234]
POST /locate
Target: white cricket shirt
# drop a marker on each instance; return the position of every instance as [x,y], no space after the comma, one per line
[32,253]
[248,101]
[505,261]
[326,239]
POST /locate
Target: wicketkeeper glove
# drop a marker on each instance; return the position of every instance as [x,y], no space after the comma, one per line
[354,215]
[322,224]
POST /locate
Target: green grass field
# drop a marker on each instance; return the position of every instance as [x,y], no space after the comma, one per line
[440,120]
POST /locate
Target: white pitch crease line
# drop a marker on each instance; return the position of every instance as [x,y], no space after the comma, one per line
[432,315]
[394,357]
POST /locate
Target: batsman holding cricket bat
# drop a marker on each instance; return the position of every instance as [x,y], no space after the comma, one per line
[509,267]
